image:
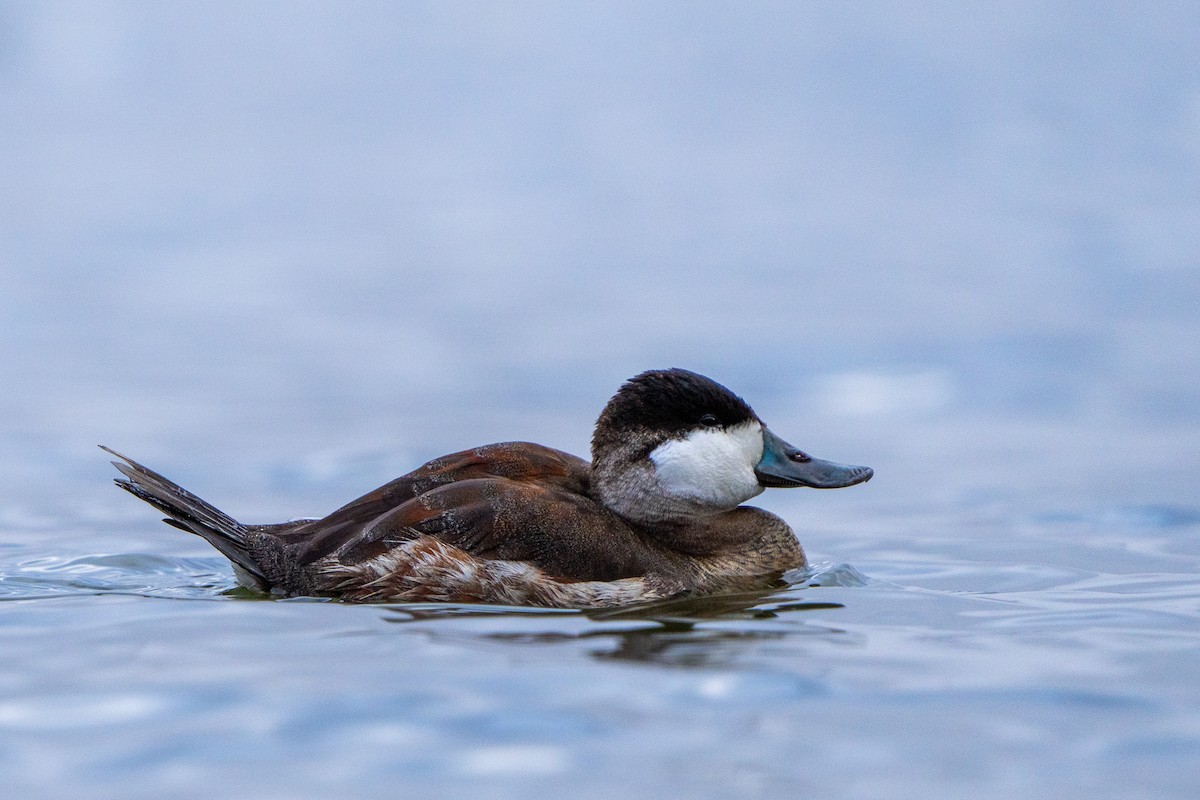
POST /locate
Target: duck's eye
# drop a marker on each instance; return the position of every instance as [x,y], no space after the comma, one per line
[710,421]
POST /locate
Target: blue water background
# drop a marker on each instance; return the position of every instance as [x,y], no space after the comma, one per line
[284,252]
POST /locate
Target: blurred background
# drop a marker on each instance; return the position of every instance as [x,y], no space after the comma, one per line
[319,243]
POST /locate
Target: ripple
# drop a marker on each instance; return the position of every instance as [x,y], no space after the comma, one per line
[43,576]
[829,574]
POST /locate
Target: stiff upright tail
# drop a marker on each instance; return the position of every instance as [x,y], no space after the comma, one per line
[189,513]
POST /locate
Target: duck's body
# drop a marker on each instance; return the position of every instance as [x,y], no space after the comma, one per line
[656,514]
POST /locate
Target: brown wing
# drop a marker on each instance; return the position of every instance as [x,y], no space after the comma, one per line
[514,461]
[563,533]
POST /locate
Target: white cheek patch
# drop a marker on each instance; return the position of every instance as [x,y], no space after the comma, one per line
[712,467]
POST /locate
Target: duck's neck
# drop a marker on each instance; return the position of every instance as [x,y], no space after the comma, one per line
[631,487]
[755,540]
[634,493]
[719,533]
[742,531]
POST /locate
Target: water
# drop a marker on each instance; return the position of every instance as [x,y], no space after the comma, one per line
[284,255]
[140,675]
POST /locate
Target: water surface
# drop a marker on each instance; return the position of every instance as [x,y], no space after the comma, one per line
[900,675]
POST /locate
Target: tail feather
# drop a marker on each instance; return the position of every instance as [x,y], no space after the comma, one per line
[188,512]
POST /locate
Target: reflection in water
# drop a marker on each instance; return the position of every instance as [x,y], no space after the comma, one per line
[690,632]
[672,644]
[740,605]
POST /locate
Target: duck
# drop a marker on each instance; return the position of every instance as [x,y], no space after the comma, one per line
[657,514]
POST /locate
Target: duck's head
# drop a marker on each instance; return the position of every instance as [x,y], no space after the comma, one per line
[672,446]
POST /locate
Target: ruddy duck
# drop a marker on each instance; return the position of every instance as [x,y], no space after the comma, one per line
[656,514]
